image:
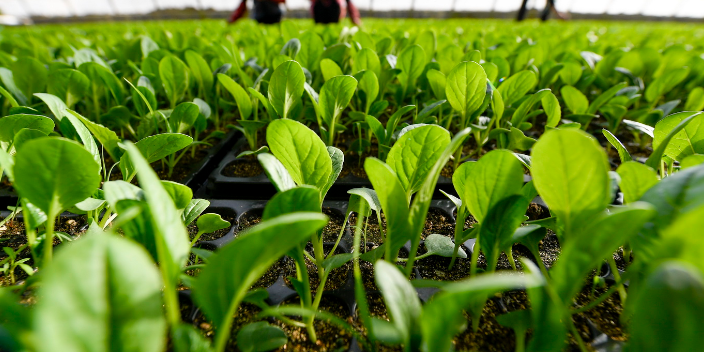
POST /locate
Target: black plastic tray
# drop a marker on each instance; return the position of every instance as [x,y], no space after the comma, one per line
[280,292]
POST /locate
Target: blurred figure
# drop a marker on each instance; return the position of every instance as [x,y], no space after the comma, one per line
[264,11]
[332,11]
[550,6]
[323,11]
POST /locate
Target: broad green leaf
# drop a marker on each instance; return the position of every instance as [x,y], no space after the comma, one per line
[369,195]
[311,49]
[687,141]
[414,153]
[276,171]
[179,193]
[300,198]
[208,223]
[575,100]
[54,174]
[673,293]
[438,82]
[456,297]
[604,97]
[636,179]
[260,337]
[12,124]
[691,161]
[521,113]
[393,200]
[9,82]
[193,210]
[109,300]
[665,83]
[68,84]
[286,87]
[221,286]
[335,95]
[184,116]
[101,76]
[338,159]
[244,102]
[115,191]
[401,300]
[596,241]
[107,138]
[466,87]
[370,85]
[496,176]
[411,62]
[570,73]
[695,100]
[301,151]
[329,69]
[159,146]
[25,135]
[169,231]
[516,86]
[443,246]
[622,151]
[552,109]
[200,70]
[366,59]
[30,75]
[570,172]
[174,76]
[499,225]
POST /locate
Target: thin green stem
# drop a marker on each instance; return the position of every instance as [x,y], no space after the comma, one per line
[614,269]
[49,239]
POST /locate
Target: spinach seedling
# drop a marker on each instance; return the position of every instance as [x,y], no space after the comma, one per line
[12,263]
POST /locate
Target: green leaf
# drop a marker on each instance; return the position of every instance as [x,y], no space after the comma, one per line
[691,161]
[366,59]
[200,70]
[570,172]
[311,49]
[101,76]
[622,151]
[499,225]
[12,124]
[300,198]
[516,86]
[679,138]
[438,82]
[456,297]
[301,151]
[260,337]
[596,241]
[184,116]
[30,75]
[115,191]
[335,95]
[575,100]
[104,135]
[338,159]
[522,111]
[109,300]
[54,174]
[604,97]
[411,62]
[169,232]
[442,246]
[180,194]
[636,179]
[244,102]
[68,84]
[367,194]
[276,171]
[9,82]
[496,176]
[193,210]
[570,73]
[370,85]
[329,69]
[221,286]
[393,200]
[695,100]
[208,223]
[466,87]
[402,302]
[26,135]
[673,293]
[552,109]
[414,153]
[174,76]
[665,83]
[286,87]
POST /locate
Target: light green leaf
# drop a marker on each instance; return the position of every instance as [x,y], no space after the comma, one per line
[574,99]
[636,179]
[244,102]
[466,87]
[516,86]
[286,87]
[174,76]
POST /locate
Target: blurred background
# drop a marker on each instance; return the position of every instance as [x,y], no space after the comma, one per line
[17,12]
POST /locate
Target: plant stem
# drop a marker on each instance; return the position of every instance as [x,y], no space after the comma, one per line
[614,269]
[520,341]
[412,256]
[475,257]
[49,239]
[509,254]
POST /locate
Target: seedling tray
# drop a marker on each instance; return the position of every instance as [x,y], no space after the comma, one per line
[280,292]
[221,186]
[199,171]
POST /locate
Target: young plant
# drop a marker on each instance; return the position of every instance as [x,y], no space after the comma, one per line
[208,223]
[12,263]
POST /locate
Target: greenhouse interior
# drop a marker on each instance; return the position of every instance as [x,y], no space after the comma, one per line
[351,175]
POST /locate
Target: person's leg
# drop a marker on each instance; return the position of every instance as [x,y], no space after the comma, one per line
[550,5]
[523,11]
[267,12]
[326,11]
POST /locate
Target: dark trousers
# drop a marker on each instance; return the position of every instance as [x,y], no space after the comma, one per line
[523,11]
[266,12]
[326,11]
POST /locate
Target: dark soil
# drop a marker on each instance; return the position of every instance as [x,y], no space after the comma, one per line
[330,337]
[181,171]
[606,315]
[336,279]
[244,167]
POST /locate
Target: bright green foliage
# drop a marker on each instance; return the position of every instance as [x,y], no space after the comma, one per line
[286,88]
[466,87]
